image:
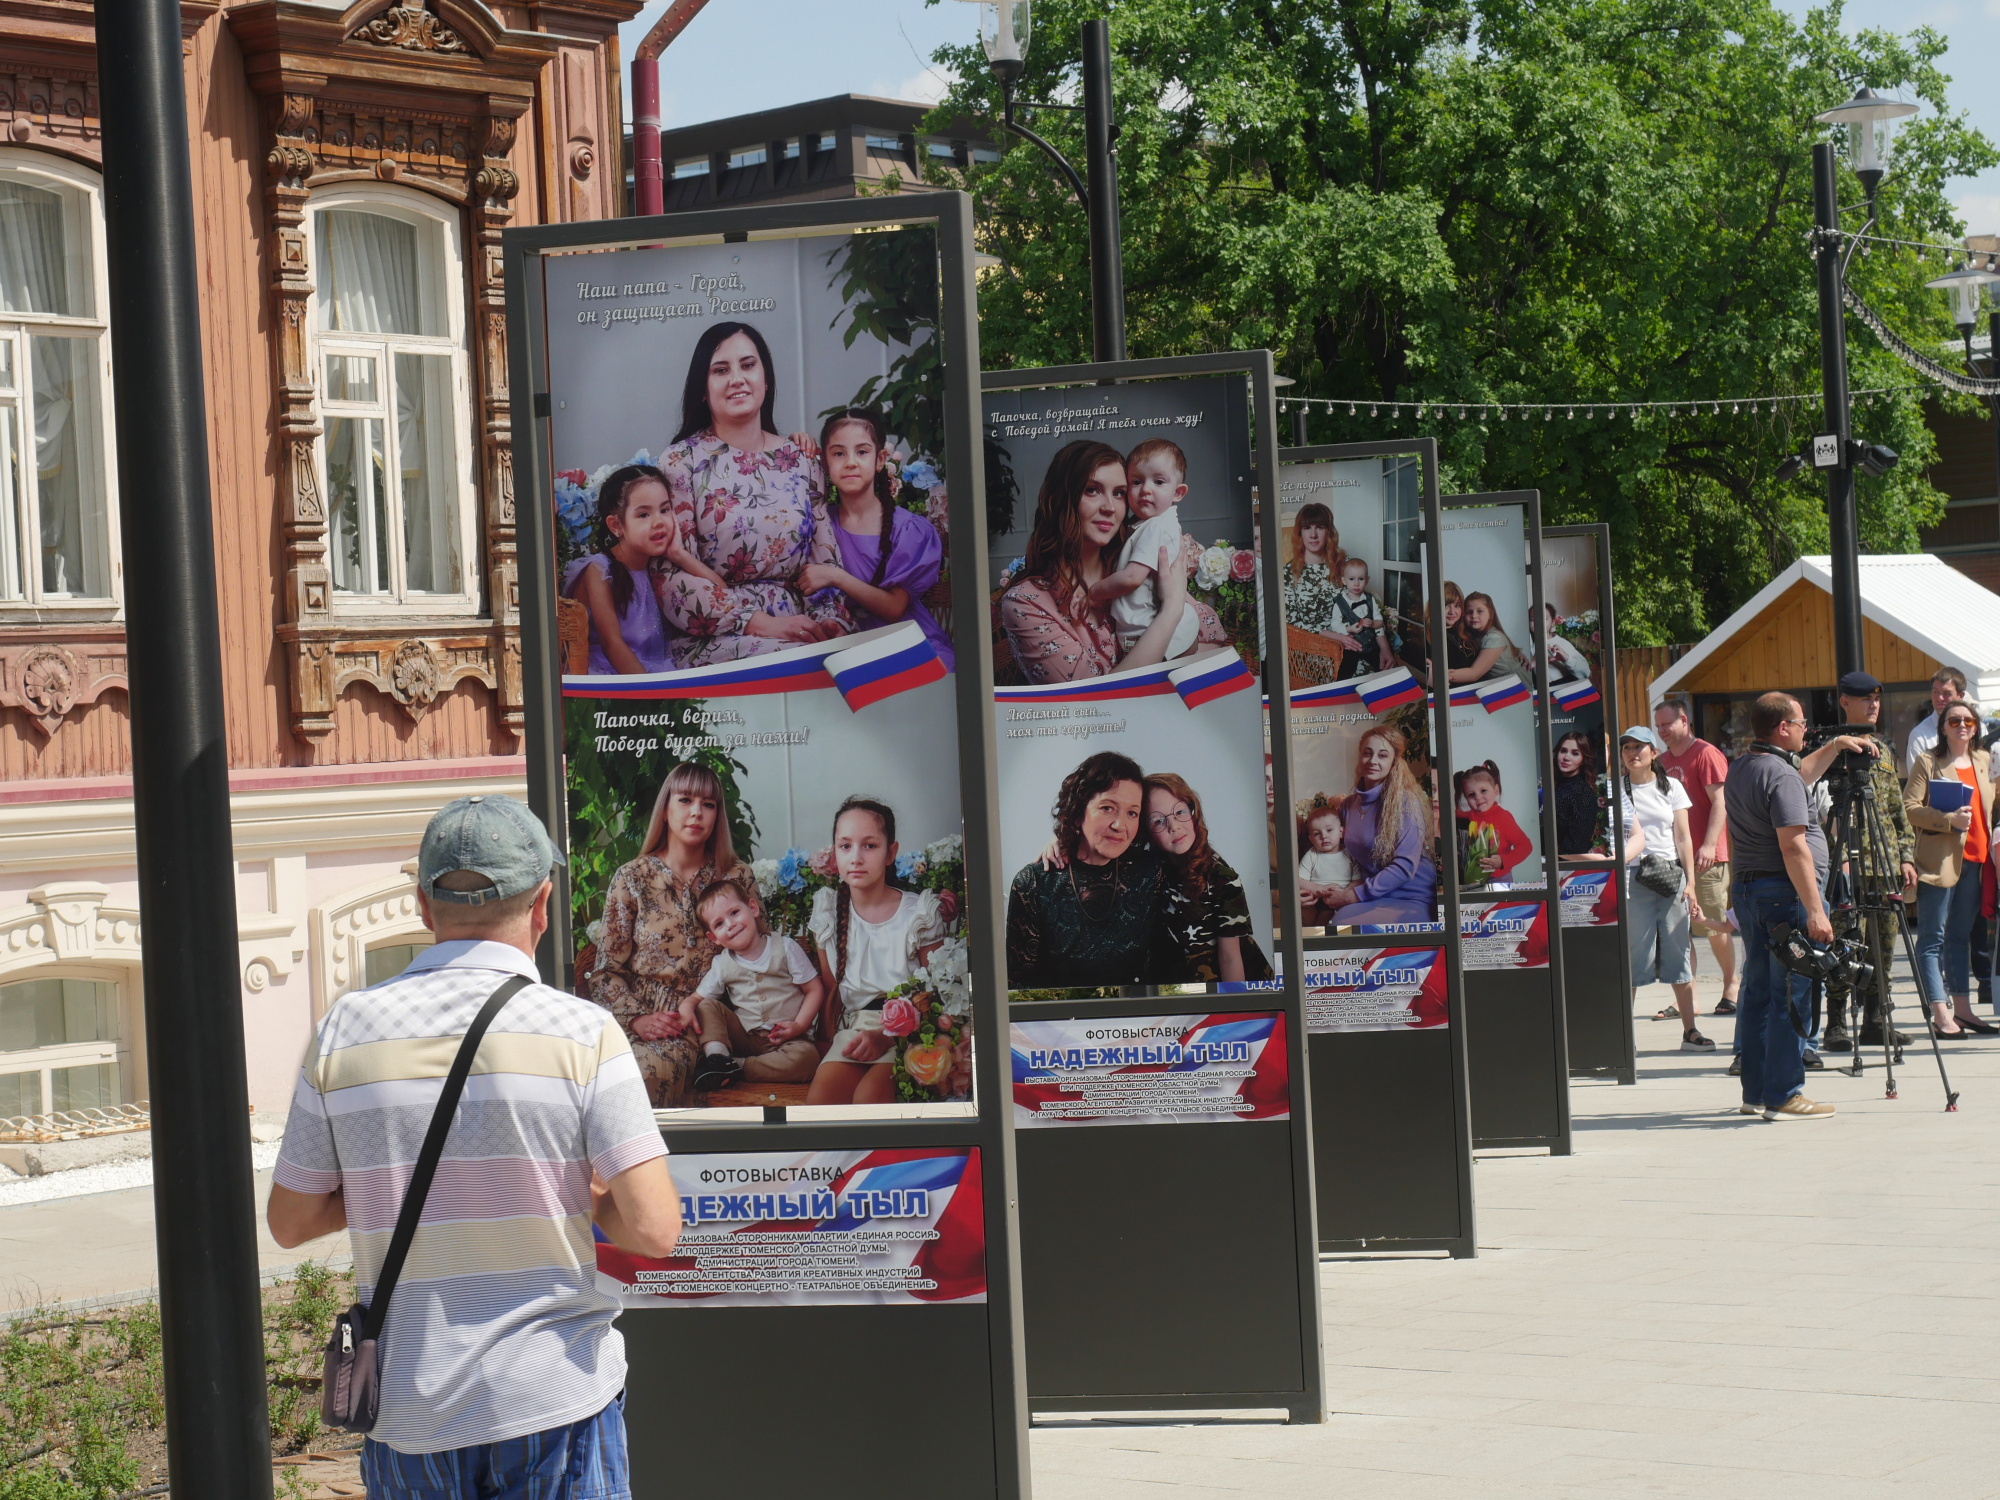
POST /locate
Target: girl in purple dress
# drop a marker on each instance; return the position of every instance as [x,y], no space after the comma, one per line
[627,633]
[889,557]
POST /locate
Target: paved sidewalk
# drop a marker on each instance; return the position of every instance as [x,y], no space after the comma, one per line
[101,1246]
[1695,1303]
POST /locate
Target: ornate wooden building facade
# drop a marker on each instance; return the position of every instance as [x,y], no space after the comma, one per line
[353,169]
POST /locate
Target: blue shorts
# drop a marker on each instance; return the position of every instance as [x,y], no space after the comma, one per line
[583,1461]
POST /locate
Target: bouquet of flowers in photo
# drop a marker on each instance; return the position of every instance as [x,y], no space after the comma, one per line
[928,1018]
[1225,578]
[1481,844]
[1583,631]
[577,531]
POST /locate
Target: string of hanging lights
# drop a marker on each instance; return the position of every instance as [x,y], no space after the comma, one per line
[1588,411]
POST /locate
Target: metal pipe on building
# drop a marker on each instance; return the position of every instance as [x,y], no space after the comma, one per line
[204,1205]
[649,186]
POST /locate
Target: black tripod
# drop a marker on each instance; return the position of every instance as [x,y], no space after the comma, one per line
[1861,845]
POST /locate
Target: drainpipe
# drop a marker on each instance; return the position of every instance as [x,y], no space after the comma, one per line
[649,185]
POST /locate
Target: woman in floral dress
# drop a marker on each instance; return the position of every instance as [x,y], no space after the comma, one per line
[743,497]
[655,950]
[1055,632]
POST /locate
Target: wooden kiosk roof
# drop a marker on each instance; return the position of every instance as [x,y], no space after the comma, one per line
[1918,614]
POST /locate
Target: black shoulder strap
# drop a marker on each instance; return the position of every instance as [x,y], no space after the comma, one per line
[427,1159]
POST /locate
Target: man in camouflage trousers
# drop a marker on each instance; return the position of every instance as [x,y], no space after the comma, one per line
[1861,703]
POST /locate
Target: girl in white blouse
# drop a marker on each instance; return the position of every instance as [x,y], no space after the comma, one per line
[870,937]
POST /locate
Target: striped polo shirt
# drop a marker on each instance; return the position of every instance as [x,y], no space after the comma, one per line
[496,1328]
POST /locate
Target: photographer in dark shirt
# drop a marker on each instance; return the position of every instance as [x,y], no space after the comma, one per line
[1779,859]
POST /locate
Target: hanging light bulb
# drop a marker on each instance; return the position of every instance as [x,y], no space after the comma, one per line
[1572,414]
[1350,408]
[1371,410]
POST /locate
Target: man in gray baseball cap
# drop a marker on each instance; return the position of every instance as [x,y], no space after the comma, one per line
[501,1370]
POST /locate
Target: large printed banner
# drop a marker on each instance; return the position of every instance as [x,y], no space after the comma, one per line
[1376,989]
[1590,898]
[1126,664]
[1573,657]
[1151,1070]
[815,1229]
[1499,934]
[759,684]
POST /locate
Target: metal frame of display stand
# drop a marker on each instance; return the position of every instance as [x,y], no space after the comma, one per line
[1597,961]
[1520,1072]
[1392,1122]
[697,1426]
[1175,1267]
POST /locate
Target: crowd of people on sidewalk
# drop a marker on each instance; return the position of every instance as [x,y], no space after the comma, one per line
[1749,850]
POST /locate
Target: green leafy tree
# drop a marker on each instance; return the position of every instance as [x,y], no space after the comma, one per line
[1470,202]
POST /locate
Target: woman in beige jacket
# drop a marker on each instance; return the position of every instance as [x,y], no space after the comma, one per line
[1951,847]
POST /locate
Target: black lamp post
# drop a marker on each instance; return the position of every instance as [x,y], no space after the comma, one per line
[1869,120]
[1967,288]
[1005,29]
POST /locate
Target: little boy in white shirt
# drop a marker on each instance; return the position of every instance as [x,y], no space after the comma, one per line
[1326,867]
[756,1004]
[1156,483]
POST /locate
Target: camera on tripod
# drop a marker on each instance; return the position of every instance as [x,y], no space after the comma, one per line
[1839,965]
[1852,770]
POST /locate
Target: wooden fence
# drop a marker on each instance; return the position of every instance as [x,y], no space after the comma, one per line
[1637,667]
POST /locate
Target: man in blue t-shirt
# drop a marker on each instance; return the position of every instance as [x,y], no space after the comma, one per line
[1778,853]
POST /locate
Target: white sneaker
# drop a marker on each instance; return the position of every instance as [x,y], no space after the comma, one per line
[1749,1109]
[1798,1107]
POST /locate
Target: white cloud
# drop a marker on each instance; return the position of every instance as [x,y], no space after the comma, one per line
[926,86]
[1981,212]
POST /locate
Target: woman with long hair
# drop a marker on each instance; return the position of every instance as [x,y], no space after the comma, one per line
[1576,794]
[1055,632]
[1951,847]
[1659,928]
[1459,652]
[744,494]
[1090,912]
[655,949]
[1207,914]
[1388,835]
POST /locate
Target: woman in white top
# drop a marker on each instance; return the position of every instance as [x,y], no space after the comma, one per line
[1659,927]
[870,937]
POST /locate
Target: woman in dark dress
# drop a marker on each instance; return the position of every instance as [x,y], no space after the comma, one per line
[1093,919]
[1459,651]
[1207,913]
[1576,795]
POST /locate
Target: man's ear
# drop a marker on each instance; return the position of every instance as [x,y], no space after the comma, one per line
[424,909]
[538,909]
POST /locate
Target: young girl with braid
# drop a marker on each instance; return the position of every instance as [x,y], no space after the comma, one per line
[889,557]
[870,936]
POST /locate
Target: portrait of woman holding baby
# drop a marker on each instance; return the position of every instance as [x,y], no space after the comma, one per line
[1057,617]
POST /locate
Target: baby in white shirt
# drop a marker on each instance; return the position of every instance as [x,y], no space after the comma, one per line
[1326,867]
[756,1004]
[1156,483]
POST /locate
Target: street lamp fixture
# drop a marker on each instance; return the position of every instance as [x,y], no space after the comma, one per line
[1004,31]
[1871,121]
[1965,286]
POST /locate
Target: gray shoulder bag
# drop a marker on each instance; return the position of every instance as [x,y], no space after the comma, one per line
[351,1386]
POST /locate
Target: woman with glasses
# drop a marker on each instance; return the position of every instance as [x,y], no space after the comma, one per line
[1954,838]
[1207,913]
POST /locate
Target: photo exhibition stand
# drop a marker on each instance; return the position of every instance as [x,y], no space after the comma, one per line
[1392,1127]
[710,1375]
[1517,1042]
[1597,960]
[1168,1254]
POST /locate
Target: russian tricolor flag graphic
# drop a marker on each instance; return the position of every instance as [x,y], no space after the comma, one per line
[1502,692]
[1210,678]
[1574,695]
[782,672]
[1326,693]
[1140,682]
[1465,695]
[895,662]
[1386,690]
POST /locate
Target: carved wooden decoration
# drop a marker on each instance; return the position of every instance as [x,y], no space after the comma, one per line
[412,28]
[46,678]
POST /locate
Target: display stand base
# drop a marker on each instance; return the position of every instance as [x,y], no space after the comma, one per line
[1599,1004]
[1520,1090]
[1389,1176]
[693,1371]
[1160,1269]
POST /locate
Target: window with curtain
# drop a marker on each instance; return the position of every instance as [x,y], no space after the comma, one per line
[394,405]
[58,1045]
[56,540]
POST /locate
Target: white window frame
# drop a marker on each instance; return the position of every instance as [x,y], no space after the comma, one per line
[53,173]
[443,221]
[48,1060]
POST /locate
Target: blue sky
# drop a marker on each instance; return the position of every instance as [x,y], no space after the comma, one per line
[725,64]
